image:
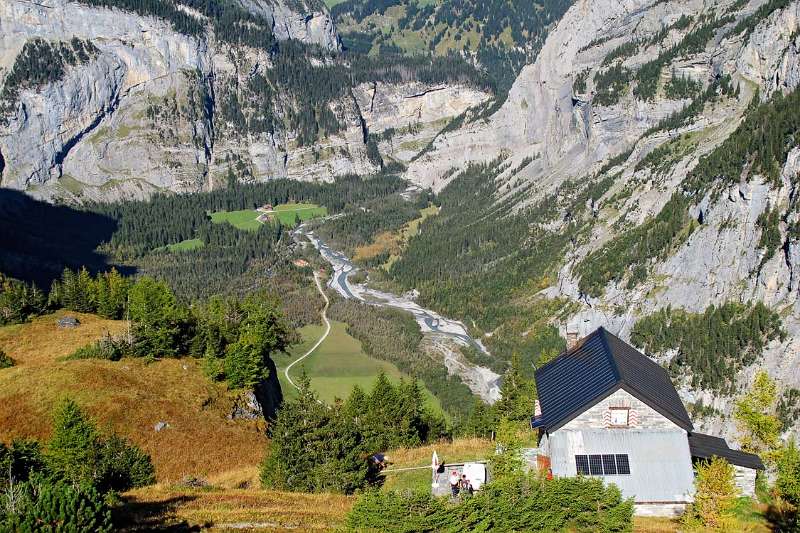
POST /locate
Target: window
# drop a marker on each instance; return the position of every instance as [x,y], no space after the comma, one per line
[603,465]
[582,464]
[619,416]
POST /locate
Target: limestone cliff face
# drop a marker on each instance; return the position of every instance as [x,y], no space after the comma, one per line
[408,116]
[155,109]
[306,21]
[554,119]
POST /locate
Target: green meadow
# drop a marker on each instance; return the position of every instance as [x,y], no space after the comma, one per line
[287,214]
[245,219]
[185,246]
[337,365]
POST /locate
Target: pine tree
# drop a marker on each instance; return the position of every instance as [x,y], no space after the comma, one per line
[517,393]
[298,440]
[73,450]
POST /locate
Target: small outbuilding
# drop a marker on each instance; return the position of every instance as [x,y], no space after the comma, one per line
[607,410]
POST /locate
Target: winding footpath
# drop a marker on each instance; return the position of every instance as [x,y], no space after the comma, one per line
[321,339]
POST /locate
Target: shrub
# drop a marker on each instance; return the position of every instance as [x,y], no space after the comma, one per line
[5,361]
[20,460]
[79,454]
[107,348]
[45,506]
[516,503]
[714,499]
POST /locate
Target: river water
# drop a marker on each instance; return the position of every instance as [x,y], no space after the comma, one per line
[483,381]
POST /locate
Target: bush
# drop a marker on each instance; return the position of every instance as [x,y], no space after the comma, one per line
[715,497]
[106,348]
[517,503]
[79,454]
[41,505]
[5,361]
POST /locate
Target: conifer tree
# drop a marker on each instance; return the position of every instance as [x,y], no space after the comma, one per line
[517,393]
[298,441]
[715,497]
[756,418]
[73,450]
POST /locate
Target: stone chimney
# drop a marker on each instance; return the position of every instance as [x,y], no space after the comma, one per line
[573,335]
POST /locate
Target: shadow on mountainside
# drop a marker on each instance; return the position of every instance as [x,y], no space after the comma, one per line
[38,240]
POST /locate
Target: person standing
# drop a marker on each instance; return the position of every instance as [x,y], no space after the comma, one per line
[466,486]
[454,483]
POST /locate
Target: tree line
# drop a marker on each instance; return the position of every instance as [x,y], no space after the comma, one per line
[712,346]
[235,337]
[329,448]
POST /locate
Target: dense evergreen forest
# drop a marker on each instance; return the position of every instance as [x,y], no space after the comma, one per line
[500,35]
[476,260]
[359,226]
[712,346]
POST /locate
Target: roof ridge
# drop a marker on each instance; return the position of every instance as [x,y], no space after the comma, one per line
[601,331]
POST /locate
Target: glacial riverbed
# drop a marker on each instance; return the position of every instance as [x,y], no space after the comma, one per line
[481,380]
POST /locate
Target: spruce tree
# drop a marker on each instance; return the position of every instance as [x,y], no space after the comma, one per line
[73,451]
[517,393]
[298,440]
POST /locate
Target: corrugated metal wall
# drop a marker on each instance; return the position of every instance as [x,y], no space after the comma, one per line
[660,462]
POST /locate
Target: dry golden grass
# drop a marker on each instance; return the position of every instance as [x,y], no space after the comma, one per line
[388,241]
[233,509]
[41,341]
[646,524]
[449,452]
[128,396]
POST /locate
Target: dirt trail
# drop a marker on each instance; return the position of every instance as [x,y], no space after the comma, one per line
[321,339]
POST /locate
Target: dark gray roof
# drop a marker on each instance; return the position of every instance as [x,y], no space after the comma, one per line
[597,366]
[706,446]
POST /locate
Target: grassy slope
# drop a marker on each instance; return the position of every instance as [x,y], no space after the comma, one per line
[286,212]
[337,365]
[128,396]
[225,508]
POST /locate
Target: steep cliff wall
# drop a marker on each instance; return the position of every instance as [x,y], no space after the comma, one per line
[607,105]
[156,109]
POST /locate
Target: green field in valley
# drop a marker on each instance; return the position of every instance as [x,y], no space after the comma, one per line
[286,214]
[185,246]
[244,219]
[337,365]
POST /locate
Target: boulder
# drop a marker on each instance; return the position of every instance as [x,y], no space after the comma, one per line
[68,322]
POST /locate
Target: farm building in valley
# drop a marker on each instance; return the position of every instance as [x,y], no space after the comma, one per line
[607,410]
